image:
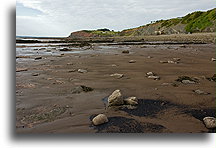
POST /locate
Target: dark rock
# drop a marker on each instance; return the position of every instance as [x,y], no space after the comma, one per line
[38,58]
[125,51]
[35,74]
[186,80]
[132,61]
[81,88]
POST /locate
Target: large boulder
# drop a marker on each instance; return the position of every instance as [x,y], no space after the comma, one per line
[210,122]
[100,119]
[115,98]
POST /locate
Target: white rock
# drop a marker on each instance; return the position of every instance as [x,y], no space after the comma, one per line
[115,98]
[132,61]
[213,59]
[82,71]
[150,73]
[100,119]
[154,77]
[117,75]
[188,82]
[171,62]
[200,92]
[131,101]
[209,122]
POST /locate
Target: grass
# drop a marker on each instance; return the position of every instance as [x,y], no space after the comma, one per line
[200,21]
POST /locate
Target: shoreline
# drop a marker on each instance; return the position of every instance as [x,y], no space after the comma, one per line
[45,102]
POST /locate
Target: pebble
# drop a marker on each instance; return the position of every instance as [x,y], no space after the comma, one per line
[150,73]
[38,58]
[125,51]
[72,70]
[82,71]
[213,59]
[100,119]
[154,77]
[132,61]
[163,61]
[188,82]
[209,122]
[200,92]
[117,75]
[21,69]
[131,101]
[35,74]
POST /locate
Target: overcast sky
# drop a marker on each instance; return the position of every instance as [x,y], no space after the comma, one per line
[61,17]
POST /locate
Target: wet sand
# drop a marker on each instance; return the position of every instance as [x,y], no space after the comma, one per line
[45,102]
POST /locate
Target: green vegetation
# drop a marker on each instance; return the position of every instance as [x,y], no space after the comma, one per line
[198,21]
[168,23]
[193,22]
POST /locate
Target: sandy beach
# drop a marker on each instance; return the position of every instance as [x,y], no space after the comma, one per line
[50,99]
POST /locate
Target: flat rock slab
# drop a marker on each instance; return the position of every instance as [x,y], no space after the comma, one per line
[21,69]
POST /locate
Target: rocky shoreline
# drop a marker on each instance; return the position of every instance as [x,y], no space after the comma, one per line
[162,87]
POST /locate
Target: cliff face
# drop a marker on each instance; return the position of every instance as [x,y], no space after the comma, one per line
[191,23]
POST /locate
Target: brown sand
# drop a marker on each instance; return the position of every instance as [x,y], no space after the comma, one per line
[45,102]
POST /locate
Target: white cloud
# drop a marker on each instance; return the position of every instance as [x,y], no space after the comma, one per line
[60,17]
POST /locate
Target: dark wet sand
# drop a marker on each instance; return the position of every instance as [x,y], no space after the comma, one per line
[45,102]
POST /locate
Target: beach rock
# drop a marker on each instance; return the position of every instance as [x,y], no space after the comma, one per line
[17,57]
[149,57]
[163,61]
[171,62]
[187,82]
[38,58]
[200,92]
[100,119]
[82,71]
[113,65]
[150,73]
[125,51]
[65,49]
[210,122]
[115,98]
[213,59]
[176,59]
[35,74]
[72,70]
[81,88]
[213,78]
[117,75]
[21,69]
[154,77]
[132,61]
[131,101]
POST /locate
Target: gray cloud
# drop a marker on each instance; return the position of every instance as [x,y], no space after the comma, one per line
[60,17]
